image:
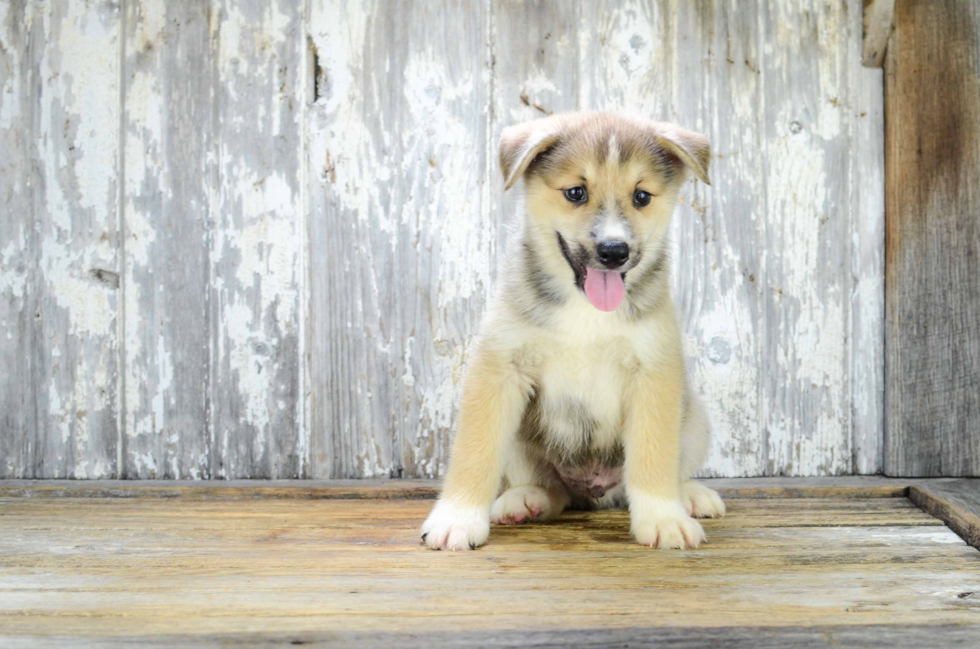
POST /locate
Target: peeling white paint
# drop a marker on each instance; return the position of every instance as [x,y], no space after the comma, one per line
[13,281]
[256,252]
[75,201]
[86,53]
[783,323]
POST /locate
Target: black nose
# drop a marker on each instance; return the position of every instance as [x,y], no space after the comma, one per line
[612,254]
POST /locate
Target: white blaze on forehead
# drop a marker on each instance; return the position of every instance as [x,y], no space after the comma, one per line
[613,157]
[612,229]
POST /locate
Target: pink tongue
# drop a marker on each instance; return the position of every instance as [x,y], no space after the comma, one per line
[604,288]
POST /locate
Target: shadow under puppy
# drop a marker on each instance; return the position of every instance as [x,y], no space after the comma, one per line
[576,392]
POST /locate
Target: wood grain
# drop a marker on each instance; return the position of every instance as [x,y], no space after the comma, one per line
[720,291]
[955,502]
[240,240]
[757,637]
[166,230]
[75,198]
[835,487]
[402,239]
[105,569]
[867,258]
[257,207]
[18,244]
[813,93]
[933,243]
[878,15]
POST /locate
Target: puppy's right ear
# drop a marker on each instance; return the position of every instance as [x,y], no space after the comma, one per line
[520,144]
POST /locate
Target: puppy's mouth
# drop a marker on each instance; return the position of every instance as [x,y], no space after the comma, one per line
[605,289]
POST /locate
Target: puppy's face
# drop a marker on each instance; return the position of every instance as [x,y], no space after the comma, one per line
[599,193]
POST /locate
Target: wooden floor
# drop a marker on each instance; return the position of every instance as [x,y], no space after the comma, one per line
[849,567]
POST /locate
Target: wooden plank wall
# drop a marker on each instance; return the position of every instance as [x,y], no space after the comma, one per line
[244,241]
[933,240]
[59,242]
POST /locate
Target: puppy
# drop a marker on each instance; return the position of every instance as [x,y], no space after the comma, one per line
[575,394]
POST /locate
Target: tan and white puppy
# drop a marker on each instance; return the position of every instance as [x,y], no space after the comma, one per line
[575,394]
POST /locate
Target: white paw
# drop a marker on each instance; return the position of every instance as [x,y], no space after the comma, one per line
[450,527]
[701,502]
[522,505]
[660,523]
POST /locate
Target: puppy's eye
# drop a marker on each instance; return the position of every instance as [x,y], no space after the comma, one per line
[641,198]
[576,194]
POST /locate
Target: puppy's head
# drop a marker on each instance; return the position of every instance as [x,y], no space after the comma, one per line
[600,190]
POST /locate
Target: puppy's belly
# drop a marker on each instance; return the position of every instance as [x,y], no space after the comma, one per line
[593,480]
[583,448]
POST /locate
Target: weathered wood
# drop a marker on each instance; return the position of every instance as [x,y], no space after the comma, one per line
[18,243]
[835,487]
[866,304]
[308,227]
[129,514]
[536,50]
[704,637]
[75,197]
[166,126]
[809,95]
[402,238]
[955,502]
[257,207]
[720,292]
[878,16]
[140,568]
[224,490]
[933,243]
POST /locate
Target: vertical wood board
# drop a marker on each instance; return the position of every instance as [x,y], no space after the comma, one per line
[166,120]
[718,231]
[75,198]
[932,331]
[402,242]
[18,251]
[256,254]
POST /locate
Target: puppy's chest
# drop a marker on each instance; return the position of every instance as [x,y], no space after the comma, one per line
[581,384]
[575,417]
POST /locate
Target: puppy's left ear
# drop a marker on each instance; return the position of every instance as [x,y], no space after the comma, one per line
[692,148]
[521,143]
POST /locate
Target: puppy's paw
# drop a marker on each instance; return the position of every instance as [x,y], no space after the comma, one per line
[660,523]
[450,527]
[523,505]
[701,502]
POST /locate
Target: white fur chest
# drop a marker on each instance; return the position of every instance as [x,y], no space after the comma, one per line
[580,371]
[584,381]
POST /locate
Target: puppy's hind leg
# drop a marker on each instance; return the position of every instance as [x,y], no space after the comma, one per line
[698,500]
[533,492]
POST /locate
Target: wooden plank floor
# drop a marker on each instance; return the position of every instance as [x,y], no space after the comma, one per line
[809,571]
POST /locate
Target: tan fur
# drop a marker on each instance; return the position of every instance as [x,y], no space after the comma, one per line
[556,387]
[494,396]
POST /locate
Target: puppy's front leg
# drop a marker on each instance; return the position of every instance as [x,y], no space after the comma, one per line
[652,446]
[495,394]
